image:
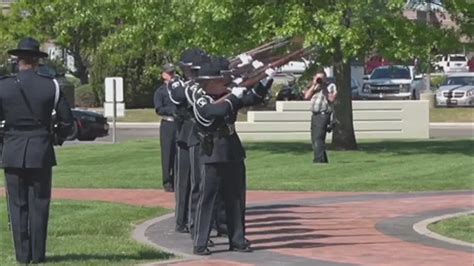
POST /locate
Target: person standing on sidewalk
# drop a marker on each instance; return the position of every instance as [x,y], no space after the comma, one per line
[27,101]
[166,110]
[322,95]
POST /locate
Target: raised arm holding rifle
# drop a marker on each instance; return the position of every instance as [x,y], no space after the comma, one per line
[259,74]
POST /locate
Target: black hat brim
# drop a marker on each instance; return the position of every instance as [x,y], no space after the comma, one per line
[22,52]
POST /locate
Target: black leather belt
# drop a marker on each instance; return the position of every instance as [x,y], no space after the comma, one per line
[321,113]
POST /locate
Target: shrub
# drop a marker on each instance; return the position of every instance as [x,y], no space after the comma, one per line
[85,96]
[75,81]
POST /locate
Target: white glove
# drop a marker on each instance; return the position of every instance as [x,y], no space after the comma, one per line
[238,81]
[270,72]
[245,59]
[257,64]
[238,91]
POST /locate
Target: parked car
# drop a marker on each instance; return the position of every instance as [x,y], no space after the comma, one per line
[395,82]
[452,63]
[294,67]
[354,87]
[457,90]
[88,125]
[292,92]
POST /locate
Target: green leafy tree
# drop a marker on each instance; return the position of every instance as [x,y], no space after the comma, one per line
[135,51]
[76,26]
[347,30]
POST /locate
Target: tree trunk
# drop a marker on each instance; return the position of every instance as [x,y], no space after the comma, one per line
[343,137]
[82,73]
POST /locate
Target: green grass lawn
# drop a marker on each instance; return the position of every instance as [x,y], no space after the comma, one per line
[436,115]
[461,228]
[149,115]
[452,115]
[89,233]
[140,115]
[376,166]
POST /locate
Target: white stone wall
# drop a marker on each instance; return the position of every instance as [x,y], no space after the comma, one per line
[372,120]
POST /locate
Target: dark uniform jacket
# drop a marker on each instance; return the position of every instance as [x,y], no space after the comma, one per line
[162,102]
[181,94]
[226,144]
[28,142]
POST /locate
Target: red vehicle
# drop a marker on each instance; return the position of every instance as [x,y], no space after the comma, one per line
[470,64]
[374,62]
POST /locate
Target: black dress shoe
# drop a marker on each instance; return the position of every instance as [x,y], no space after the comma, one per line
[201,251]
[244,249]
[182,229]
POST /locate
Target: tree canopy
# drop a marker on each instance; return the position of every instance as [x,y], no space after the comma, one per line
[135,37]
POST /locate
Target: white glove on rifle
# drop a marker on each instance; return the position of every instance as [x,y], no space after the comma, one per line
[238,91]
[245,59]
[257,64]
[270,72]
[237,81]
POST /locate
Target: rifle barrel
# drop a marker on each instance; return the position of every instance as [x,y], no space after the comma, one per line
[259,74]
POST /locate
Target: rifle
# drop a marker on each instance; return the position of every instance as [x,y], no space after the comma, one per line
[261,52]
[248,69]
[259,74]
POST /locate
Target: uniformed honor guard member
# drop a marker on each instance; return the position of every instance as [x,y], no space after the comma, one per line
[322,95]
[222,156]
[27,101]
[166,109]
[188,179]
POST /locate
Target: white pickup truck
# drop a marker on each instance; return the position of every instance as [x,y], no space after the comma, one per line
[392,82]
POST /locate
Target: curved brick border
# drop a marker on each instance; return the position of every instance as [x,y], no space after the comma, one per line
[403,228]
[422,228]
[307,248]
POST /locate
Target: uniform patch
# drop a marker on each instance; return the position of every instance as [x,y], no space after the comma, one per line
[201,102]
[175,84]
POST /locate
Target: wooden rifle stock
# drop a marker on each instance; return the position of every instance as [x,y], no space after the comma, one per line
[260,74]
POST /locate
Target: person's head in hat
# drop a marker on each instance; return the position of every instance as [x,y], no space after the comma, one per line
[191,61]
[211,78]
[168,72]
[28,53]
[223,64]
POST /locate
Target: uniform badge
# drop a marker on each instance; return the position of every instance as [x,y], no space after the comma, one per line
[201,102]
[175,85]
